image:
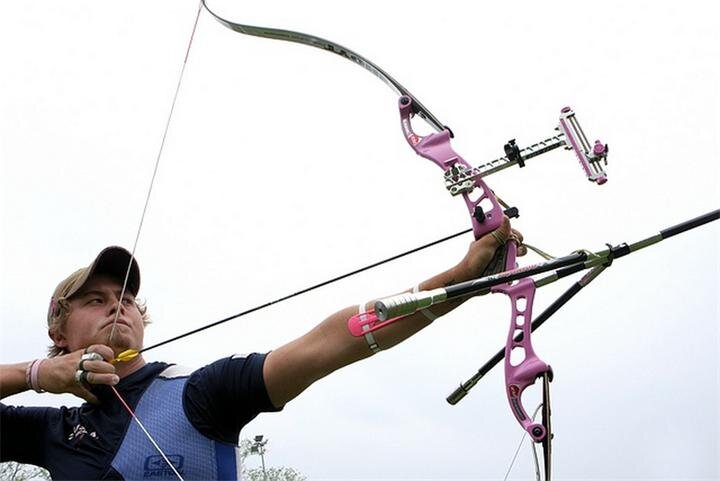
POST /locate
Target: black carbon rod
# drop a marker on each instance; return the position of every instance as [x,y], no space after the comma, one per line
[465,387]
[614,252]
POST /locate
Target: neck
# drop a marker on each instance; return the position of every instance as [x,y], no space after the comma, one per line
[123,369]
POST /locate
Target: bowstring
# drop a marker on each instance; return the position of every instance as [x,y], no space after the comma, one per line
[139,230]
[155,171]
[534,452]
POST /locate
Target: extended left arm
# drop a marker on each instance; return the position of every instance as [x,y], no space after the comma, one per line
[292,368]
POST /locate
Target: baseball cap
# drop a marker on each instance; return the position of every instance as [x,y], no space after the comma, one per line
[112,261]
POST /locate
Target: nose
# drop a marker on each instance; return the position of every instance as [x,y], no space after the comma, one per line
[115,305]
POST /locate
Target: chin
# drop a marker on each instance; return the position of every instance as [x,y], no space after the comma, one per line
[122,343]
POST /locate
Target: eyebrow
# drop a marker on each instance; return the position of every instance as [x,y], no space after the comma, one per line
[96,292]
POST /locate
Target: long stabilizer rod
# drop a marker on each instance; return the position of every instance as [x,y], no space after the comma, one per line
[408,303]
[465,387]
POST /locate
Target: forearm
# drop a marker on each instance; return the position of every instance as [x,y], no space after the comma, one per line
[12,379]
[330,346]
[290,369]
[397,332]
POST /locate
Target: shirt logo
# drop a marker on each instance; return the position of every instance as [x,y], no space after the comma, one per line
[79,432]
[157,468]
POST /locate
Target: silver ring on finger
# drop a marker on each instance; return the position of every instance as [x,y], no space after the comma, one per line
[91,356]
[81,377]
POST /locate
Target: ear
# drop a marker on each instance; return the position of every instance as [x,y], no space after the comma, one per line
[58,338]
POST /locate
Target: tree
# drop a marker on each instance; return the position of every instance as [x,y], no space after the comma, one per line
[271,474]
[12,471]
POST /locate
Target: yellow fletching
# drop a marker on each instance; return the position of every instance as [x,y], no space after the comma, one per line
[126,355]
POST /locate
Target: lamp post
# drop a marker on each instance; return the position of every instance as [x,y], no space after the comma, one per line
[258,447]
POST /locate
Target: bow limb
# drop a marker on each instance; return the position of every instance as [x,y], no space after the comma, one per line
[332,47]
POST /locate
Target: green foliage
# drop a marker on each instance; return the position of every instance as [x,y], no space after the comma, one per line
[273,474]
[244,448]
[12,471]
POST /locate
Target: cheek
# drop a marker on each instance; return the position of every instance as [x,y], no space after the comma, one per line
[72,327]
[137,317]
[75,334]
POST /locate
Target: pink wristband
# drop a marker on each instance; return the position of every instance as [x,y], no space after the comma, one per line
[34,375]
[27,373]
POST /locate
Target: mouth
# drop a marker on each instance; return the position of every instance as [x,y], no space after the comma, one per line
[119,322]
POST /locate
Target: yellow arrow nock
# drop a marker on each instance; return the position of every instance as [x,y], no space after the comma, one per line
[126,356]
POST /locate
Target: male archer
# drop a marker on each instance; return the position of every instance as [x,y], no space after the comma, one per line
[192,418]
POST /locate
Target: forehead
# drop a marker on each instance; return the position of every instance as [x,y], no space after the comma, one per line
[101,283]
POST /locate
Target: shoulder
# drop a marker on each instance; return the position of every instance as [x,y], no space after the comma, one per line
[249,365]
[223,396]
[240,375]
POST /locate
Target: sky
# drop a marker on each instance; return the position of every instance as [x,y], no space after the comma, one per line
[285,166]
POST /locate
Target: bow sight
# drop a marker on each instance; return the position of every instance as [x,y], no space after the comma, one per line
[459,178]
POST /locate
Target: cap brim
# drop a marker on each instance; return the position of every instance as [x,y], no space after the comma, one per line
[113,262]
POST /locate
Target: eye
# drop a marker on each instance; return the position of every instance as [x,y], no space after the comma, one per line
[95,300]
[128,301]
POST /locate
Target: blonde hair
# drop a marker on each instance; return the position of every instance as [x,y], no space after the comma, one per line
[61,313]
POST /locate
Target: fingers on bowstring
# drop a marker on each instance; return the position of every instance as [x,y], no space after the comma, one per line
[104,351]
[99,377]
[95,366]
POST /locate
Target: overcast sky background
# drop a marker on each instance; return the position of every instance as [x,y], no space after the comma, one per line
[285,166]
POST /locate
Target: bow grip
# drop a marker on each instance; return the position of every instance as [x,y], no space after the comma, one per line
[486,213]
